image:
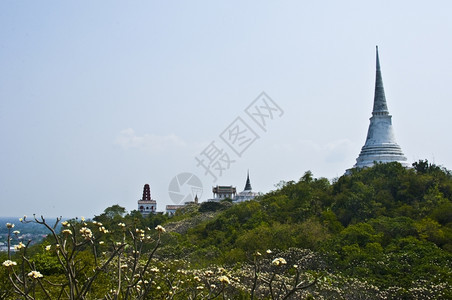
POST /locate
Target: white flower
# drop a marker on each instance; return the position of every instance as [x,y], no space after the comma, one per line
[160,228]
[279,261]
[16,231]
[35,274]
[223,279]
[9,263]
[82,218]
[66,231]
[86,233]
[199,287]
[208,273]
[65,223]
[269,251]
[20,246]
[9,225]
[48,247]
[121,225]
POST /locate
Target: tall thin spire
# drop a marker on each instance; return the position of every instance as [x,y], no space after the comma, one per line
[248,184]
[380,145]
[380,106]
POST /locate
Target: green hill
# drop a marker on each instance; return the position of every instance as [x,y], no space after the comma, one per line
[378,233]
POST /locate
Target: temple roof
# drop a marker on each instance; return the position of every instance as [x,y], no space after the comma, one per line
[248,184]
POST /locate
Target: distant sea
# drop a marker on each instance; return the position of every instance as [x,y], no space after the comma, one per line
[27,231]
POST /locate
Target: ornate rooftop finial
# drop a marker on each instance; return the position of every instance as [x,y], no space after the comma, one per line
[380,106]
[248,184]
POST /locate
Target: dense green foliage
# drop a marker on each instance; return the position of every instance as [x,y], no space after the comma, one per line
[386,224]
[388,227]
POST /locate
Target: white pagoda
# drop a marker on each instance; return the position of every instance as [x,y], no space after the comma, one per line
[380,145]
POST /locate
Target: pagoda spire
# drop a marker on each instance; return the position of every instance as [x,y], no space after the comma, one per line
[146,192]
[248,184]
[380,145]
[380,106]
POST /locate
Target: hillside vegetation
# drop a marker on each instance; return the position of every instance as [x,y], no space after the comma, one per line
[378,233]
[387,224]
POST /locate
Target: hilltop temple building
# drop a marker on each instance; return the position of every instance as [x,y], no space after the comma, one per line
[380,145]
[221,192]
[146,205]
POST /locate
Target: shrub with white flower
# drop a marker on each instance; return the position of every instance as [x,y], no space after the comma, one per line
[160,228]
[279,261]
[35,274]
[9,263]
[19,246]
[86,233]
[224,279]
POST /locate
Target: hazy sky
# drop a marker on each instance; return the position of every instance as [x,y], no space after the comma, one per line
[98,98]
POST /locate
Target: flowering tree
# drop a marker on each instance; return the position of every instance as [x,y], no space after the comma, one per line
[121,263]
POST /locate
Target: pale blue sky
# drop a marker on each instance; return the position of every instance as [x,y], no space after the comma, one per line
[98,98]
